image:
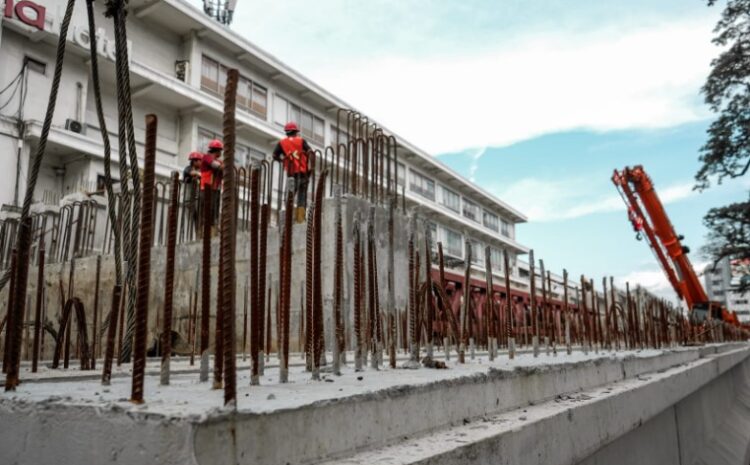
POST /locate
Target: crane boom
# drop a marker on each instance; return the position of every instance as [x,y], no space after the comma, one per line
[647,215]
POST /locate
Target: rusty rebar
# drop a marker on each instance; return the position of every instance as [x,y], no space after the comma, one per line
[228,243]
[218,371]
[166,342]
[597,315]
[615,329]
[111,333]
[256,305]
[38,311]
[144,261]
[412,315]
[464,340]
[377,340]
[357,277]
[318,336]
[309,286]
[607,322]
[509,306]
[19,304]
[268,322]
[285,274]
[372,312]
[338,282]
[487,312]
[10,314]
[429,302]
[584,312]
[205,282]
[629,335]
[73,304]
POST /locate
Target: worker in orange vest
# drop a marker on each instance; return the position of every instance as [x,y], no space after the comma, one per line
[212,169]
[293,151]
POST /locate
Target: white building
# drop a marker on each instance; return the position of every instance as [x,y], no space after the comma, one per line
[722,283]
[178,56]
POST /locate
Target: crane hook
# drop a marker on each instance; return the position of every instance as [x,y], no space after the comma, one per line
[638,236]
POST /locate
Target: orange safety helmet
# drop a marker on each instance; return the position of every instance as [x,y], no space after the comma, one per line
[216,145]
[195,156]
[291,127]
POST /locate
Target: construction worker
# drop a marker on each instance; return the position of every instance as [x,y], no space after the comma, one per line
[191,177]
[212,170]
[293,150]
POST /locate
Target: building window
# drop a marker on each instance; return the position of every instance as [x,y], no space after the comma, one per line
[741,302]
[209,74]
[251,96]
[101,182]
[496,257]
[433,235]
[310,125]
[451,200]
[505,228]
[491,221]
[246,156]
[400,174]
[204,137]
[453,242]
[471,210]
[35,65]
[716,282]
[259,100]
[422,185]
[477,252]
[339,136]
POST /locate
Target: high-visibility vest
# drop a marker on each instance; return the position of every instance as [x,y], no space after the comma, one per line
[207,173]
[295,157]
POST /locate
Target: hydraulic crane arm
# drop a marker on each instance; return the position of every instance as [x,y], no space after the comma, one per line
[647,215]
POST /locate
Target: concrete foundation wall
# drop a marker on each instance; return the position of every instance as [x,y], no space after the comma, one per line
[709,427]
[187,277]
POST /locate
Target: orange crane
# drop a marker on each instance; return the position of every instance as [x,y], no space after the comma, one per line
[647,215]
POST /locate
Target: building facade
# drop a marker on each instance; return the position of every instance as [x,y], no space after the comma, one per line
[178,60]
[722,283]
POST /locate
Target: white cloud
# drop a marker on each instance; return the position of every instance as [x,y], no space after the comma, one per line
[554,200]
[474,166]
[609,79]
[653,281]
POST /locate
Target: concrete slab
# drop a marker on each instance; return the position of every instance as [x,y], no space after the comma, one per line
[300,422]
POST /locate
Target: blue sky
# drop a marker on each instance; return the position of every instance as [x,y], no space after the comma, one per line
[535,100]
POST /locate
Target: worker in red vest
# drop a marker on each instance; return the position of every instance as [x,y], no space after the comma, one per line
[293,150]
[212,169]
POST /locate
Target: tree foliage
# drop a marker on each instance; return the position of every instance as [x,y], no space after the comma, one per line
[726,154]
[729,235]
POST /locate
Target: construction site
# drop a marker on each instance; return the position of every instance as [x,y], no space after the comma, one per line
[351,317]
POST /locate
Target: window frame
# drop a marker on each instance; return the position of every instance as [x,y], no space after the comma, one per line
[469,204]
[246,88]
[485,215]
[417,187]
[444,202]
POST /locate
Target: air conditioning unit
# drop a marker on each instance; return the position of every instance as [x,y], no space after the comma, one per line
[182,69]
[73,126]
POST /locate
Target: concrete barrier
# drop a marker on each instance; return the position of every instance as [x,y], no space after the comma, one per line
[557,412]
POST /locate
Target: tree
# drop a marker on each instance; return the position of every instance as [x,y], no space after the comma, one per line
[729,235]
[726,154]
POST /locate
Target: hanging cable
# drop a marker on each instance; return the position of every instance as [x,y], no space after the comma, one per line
[126,134]
[111,202]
